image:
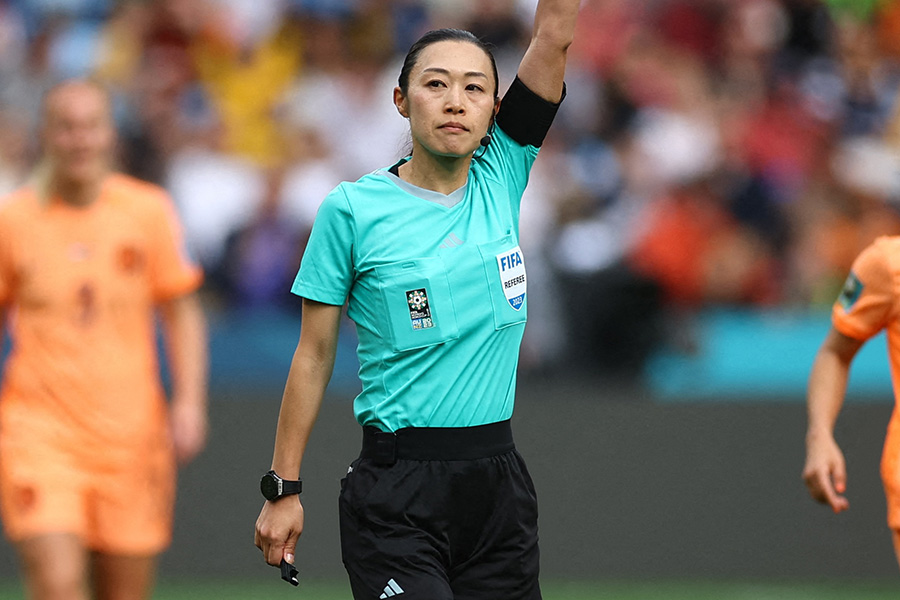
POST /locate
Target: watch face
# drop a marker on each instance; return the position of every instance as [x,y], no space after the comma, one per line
[269,487]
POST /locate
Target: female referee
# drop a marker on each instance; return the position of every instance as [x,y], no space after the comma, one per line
[439,504]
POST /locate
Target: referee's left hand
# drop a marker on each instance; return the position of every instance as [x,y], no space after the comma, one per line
[278,527]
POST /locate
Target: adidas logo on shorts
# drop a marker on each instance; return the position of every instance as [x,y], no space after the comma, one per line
[391,589]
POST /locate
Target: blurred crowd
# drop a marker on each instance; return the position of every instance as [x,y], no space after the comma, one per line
[709,152]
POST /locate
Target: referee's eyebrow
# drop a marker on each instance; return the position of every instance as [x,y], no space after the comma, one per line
[443,71]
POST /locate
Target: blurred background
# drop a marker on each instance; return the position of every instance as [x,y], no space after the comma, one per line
[715,169]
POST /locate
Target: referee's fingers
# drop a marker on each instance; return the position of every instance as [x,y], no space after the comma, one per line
[271,550]
[274,554]
[258,538]
[264,543]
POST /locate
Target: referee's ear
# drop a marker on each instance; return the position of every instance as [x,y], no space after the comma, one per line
[400,102]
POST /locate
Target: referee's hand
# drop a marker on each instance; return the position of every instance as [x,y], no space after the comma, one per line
[279,525]
[825,472]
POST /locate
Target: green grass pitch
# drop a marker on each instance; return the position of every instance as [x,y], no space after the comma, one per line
[553,590]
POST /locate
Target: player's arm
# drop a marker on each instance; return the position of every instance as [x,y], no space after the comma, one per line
[825,471]
[184,326]
[280,522]
[543,67]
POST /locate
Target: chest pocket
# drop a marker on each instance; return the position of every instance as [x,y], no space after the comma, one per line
[420,308]
[504,267]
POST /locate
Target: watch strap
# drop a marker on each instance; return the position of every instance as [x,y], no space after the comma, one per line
[285,487]
[291,487]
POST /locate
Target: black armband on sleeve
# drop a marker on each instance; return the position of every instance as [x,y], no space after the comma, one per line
[525,116]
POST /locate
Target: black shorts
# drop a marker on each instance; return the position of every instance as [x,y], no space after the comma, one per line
[440,514]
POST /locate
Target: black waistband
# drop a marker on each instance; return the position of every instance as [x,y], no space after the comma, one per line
[437,443]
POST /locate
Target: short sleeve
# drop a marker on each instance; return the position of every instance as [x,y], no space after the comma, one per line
[173,272]
[326,271]
[510,163]
[867,299]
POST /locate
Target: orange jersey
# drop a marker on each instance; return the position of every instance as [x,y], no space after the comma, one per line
[870,302]
[80,285]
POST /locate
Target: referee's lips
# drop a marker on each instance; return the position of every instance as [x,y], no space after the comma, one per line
[454,126]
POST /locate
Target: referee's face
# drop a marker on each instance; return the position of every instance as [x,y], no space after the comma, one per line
[450,100]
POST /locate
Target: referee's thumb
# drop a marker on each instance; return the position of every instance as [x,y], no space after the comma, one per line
[289,553]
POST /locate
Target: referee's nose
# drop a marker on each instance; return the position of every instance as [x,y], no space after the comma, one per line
[455,102]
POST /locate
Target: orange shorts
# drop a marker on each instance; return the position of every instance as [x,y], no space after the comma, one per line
[121,509]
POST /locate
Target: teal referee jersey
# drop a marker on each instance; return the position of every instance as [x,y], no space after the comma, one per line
[436,285]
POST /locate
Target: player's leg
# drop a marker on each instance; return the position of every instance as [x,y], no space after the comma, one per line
[54,567]
[120,577]
[43,501]
[132,508]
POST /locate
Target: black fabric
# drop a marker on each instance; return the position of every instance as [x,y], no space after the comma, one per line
[291,487]
[395,168]
[437,443]
[441,529]
[525,116]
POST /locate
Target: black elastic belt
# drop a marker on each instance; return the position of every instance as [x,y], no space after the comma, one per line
[437,443]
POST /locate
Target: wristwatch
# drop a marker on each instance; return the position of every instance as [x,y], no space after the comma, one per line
[274,487]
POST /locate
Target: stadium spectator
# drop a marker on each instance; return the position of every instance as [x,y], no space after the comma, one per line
[261,258]
[216,192]
[88,444]
[15,150]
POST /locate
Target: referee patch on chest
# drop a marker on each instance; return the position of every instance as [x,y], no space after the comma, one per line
[512,276]
[851,291]
[419,311]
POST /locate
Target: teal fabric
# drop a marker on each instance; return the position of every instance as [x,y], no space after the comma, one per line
[439,333]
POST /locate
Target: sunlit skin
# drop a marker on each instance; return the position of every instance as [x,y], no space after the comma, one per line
[78,137]
[450,102]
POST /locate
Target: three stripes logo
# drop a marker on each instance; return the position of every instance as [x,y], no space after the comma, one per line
[391,589]
[451,241]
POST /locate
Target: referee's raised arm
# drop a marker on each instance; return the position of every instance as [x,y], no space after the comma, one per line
[543,67]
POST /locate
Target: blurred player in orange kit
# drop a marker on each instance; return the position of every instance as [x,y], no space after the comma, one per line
[88,443]
[869,302]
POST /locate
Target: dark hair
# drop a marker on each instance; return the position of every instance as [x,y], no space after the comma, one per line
[442,35]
